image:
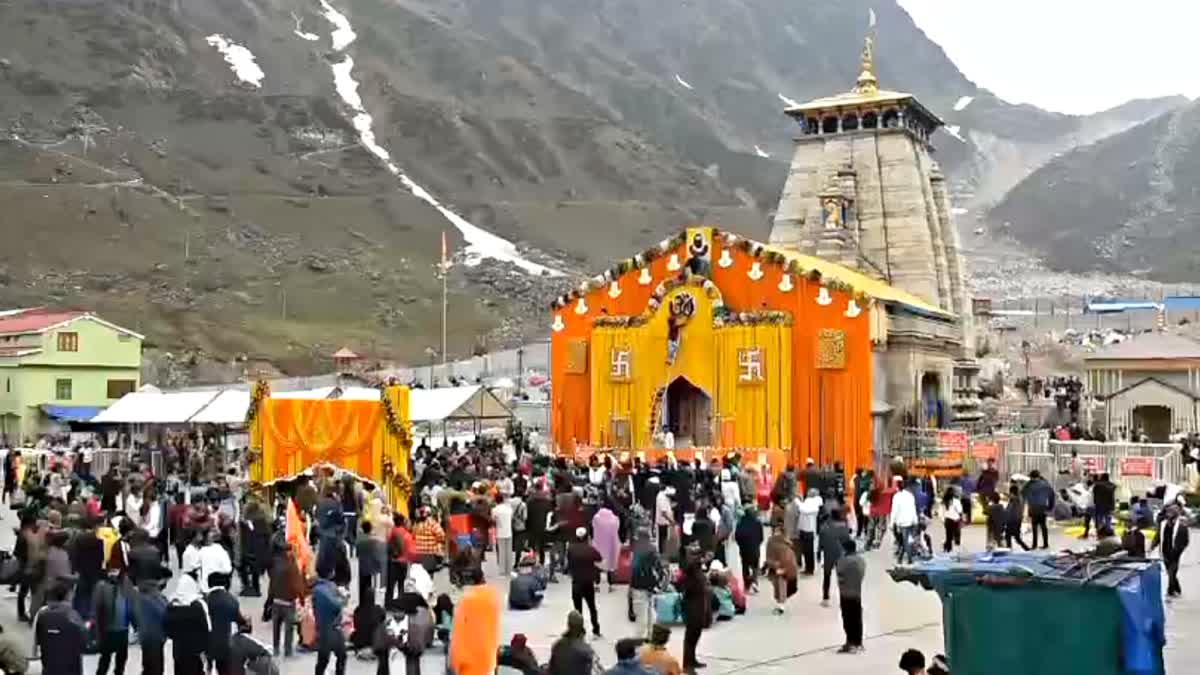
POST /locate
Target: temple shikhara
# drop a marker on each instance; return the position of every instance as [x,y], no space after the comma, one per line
[852,322]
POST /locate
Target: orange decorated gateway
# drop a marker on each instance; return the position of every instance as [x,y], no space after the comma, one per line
[724,343]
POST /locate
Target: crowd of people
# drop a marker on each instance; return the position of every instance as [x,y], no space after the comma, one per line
[94,554]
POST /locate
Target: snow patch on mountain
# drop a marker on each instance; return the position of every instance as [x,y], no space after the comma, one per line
[300,32]
[682,82]
[480,243]
[954,130]
[962,103]
[761,153]
[343,32]
[240,60]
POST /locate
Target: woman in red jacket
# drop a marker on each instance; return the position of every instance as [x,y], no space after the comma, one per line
[881,508]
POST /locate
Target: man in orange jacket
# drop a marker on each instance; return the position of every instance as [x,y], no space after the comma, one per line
[475,638]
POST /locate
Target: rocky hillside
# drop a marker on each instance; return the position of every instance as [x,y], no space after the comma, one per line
[1125,204]
[271,178]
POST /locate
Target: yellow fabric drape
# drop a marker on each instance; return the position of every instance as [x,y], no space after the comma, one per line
[611,399]
[649,369]
[393,454]
[761,413]
[304,432]
[292,435]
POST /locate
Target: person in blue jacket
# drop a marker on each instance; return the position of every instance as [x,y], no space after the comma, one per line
[328,604]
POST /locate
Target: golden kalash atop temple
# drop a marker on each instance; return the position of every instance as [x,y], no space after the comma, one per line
[852,323]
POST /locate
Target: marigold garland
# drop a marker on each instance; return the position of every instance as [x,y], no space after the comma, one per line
[754,249]
[392,418]
[259,393]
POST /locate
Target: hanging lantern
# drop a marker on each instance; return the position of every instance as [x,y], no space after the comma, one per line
[581,306]
[614,290]
[645,278]
[852,309]
[823,298]
[785,283]
[558,324]
[726,260]
[755,272]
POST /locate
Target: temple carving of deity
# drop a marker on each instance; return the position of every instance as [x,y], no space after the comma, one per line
[863,190]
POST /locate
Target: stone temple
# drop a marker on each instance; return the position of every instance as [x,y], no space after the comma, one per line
[864,191]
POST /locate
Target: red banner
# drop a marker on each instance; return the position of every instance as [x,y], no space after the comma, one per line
[985,451]
[953,441]
[1137,466]
[1093,464]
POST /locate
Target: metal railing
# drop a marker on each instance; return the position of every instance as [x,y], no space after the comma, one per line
[105,458]
[1166,462]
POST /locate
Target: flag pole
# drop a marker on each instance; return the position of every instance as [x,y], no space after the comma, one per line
[445,268]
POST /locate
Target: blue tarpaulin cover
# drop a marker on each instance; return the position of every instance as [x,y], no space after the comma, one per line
[1136,582]
[72,413]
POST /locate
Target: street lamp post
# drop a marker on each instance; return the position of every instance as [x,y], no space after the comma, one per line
[520,371]
[432,354]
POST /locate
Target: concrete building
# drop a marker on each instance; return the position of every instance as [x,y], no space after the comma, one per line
[864,191]
[1148,384]
[61,366]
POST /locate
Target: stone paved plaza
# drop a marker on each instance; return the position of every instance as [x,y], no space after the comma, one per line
[898,616]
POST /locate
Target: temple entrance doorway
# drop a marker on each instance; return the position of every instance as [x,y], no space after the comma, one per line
[931,401]
[688,414]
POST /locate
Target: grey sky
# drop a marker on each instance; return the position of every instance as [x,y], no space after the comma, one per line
[1074,56]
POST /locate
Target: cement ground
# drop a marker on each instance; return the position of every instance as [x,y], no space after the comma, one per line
[897,617]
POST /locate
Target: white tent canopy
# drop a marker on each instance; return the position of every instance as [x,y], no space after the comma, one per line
[456,403]
[151,408]
[229,407]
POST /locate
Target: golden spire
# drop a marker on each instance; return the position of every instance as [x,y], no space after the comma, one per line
[867,83]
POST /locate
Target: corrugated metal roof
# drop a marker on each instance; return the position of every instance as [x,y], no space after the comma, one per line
[1149,346]
[34,320]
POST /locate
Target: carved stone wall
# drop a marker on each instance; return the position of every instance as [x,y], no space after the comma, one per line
[898,222]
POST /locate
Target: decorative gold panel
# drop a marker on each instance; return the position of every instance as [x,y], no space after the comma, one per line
[577,356]
[831,349]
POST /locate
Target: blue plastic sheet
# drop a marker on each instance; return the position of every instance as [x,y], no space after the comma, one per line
[1143,623]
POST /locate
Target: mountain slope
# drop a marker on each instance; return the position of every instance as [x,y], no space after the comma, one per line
[1127,203]
[149,171]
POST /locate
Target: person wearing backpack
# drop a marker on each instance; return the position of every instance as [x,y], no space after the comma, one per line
[59,634]
[520,519]
[114,615]
[645,578]
[224,613]
[418,638]
[149,615]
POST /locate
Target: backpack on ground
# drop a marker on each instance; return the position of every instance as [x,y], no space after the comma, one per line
[668,608]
